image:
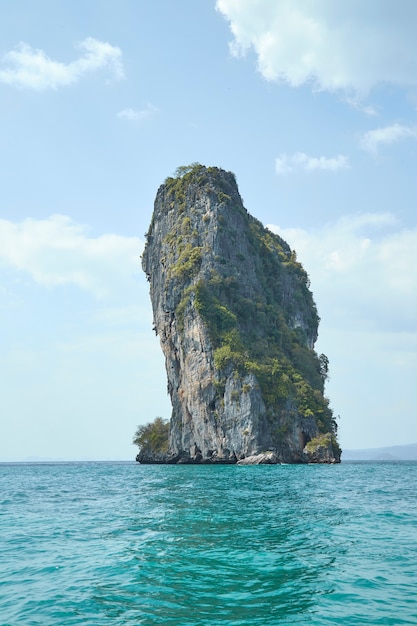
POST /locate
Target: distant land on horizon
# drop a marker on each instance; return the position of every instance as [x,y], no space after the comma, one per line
[407,452]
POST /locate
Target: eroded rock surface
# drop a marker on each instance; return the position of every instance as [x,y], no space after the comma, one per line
[237,325]
[264,458]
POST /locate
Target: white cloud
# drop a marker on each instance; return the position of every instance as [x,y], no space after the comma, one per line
[351,46]
[32,68]
[56,251]
[357,104]
[135,115]
[362,271]
[285,164]
[387,135]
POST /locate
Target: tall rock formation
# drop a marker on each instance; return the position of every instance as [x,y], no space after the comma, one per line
[237,325]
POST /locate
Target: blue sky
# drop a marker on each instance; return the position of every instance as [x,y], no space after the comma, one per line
[312,104]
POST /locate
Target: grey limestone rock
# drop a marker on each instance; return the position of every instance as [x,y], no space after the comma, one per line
[237,326]
[264,458]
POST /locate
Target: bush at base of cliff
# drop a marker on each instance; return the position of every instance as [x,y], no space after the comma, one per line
[323,449]
[152,440]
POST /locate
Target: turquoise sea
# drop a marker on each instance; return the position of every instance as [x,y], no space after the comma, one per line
[124,544]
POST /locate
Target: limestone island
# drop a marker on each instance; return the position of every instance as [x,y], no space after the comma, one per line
[237,325]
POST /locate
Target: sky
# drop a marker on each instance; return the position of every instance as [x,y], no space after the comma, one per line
[312,104]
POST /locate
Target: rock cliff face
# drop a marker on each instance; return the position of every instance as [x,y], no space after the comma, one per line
[237,325]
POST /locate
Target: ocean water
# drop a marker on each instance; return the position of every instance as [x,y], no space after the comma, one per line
[123,544]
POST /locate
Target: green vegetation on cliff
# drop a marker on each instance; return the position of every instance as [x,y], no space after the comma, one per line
[316,446]
[253,337]
[152,438]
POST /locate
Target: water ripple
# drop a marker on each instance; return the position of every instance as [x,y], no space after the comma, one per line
[123,544]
